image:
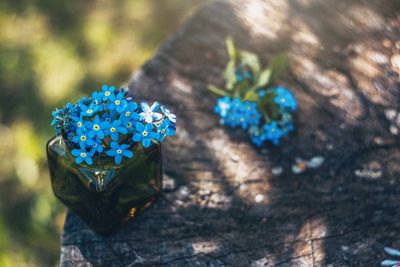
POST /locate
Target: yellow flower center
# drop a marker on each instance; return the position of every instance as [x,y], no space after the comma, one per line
[79,124]
[89,111]
[96,127]
[144,133]
[112,129]
[163,131]
[127,114]
[83,138]
[129,125]
[83,155]
[107,93]
[117,102]
[119,151]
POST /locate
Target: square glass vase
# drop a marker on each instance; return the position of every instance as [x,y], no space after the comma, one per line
[105,195]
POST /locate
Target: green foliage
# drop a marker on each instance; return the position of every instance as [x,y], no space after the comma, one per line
[261,77]
[277,65]
[268,107]
[251,60]
[251,96]
[230,47]
[264,78]
[257,78]
[216,90]
[68,48]
[229,75]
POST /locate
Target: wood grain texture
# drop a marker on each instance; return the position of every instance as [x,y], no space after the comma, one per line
[343,72]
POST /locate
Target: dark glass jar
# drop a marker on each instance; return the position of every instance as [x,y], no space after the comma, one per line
[105,195]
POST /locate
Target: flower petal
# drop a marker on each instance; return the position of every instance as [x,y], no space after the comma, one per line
[152,135]
[155,106]
[392,251]
[89,160]
[157,116]
[389,262]
[114,136]
[114,145]
[91,134]
[111,153]
[127,154]
[137,137]
[118,159]
[145,107]
[105,125]
[170,131]
[139,126]
[79,160]
[149,127]
[146,142]
[76,152]
[172,117]
[122,130]
[82,145]
[148,119]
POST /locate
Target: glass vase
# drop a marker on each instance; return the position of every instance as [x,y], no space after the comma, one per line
[105,195]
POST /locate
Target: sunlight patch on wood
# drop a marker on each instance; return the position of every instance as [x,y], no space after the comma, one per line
[329,83]
[181,85]
[361,17]
[305,41]
[205,247]
[365,67]
[242,167]
[263,20]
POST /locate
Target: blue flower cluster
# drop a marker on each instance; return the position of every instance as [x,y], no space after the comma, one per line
[284,98]
[110,123]
[248,115]
[236,113]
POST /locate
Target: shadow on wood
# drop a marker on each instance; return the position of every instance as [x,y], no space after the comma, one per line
[342,213]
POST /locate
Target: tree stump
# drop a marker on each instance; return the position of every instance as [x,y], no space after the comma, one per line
[226,207]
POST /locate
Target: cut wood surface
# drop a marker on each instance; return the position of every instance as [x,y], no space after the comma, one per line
[222,204]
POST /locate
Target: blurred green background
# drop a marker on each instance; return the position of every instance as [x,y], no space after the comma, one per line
[52,52]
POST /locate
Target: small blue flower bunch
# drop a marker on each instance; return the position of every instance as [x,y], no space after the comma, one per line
[250,101]
[110,124]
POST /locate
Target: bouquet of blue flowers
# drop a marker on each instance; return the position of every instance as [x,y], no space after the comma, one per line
[109,124]
[249,99]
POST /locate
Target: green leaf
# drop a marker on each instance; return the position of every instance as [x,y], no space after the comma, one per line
[229,75]
[230,46]
[277,66]
[216,90]
[242,87]
[268,107]
[264,78]
[250,59]
[251,96]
